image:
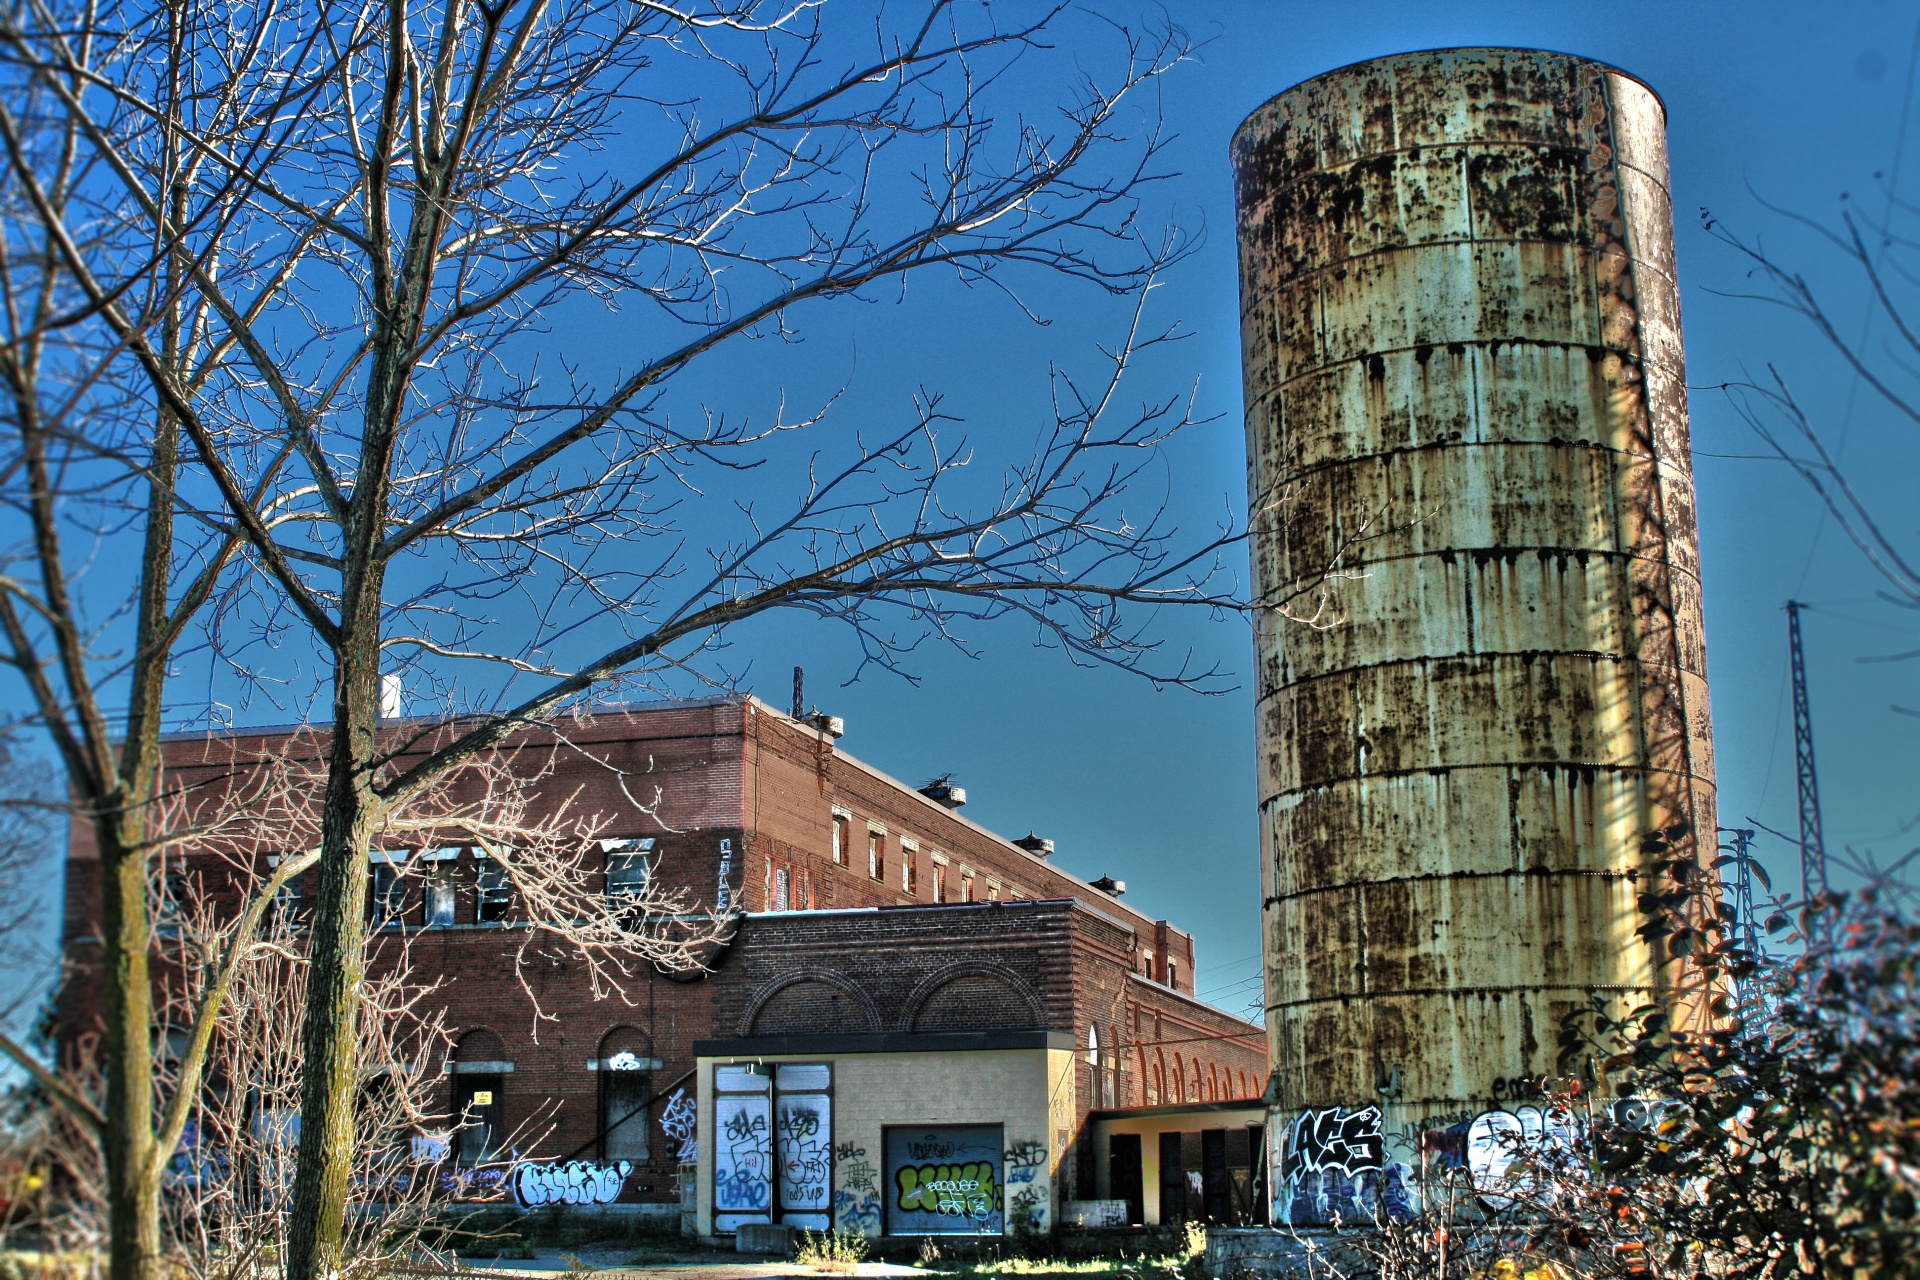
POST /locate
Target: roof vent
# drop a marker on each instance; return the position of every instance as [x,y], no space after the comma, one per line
[1107,884]
[1038,846]
[832,726]
[942,791]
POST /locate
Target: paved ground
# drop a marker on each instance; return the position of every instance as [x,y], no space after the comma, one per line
[705,1265]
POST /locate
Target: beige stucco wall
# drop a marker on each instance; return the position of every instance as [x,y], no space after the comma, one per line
[1028,1091]
[1150,1127]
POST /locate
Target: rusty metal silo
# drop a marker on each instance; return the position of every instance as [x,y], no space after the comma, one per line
[1464,388]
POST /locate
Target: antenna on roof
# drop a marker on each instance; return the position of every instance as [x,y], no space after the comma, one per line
[799,693]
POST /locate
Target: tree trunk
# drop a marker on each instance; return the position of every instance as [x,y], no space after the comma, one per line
[133,1193]
[337,967]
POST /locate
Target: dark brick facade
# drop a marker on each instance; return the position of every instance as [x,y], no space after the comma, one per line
[734,784]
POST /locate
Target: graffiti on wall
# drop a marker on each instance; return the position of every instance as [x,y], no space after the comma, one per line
[1336,1138]
[574,1182]
[945,1181]
[1335,1169]
[950,1190]
[803,1134]
[680,1120]
[743,1167]
[856,1205]
[1024,1161]
[722,897]
[1488,1146]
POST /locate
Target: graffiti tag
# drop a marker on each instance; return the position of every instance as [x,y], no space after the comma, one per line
[856,1206]
[932,1148]
[958,1191]
[575,1182]
[1336,1138]
[679,1120]
[806,1159]
[1024,1160]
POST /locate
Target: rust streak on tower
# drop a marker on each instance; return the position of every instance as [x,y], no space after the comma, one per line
[1464,383]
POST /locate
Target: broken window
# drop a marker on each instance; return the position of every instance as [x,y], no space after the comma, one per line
[840,853]
[439,901]
[877,854]
[283,913]
[493,892]
[386,891]
[629,864]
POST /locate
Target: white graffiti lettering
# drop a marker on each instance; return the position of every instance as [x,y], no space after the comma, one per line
[575,1182]
[679,1121]
[1336,1138]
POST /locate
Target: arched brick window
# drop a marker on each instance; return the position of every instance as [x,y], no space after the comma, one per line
[625,1066]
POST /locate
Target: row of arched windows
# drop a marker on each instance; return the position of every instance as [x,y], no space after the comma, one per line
[1166,1076]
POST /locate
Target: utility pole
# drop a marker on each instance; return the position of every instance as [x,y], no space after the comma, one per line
[1813,850]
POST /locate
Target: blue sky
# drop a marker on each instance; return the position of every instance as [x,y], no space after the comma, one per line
[1787,102]
[1791,103]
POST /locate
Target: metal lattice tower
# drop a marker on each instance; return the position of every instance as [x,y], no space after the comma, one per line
[1813,849]
[1753,1005]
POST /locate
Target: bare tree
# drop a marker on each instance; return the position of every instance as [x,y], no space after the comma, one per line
[405,486]
[91,461]
[1878,260]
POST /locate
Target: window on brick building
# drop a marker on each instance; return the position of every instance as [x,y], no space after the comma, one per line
[876,853]
[629,864]
[493,892]
[939,878]
[909,867]
[993,890]
[1146,962]
[841,824]
[386,890]
[169,904]
[966,884]
[283,913]
[625,1065]
[439,901]
[1173,973]
[788,888]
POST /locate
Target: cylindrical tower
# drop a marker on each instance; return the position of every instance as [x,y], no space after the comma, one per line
[1464,398]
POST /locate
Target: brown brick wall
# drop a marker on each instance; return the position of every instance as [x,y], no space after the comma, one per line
[697,776]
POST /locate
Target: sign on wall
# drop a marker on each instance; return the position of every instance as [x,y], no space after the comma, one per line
[944,1180]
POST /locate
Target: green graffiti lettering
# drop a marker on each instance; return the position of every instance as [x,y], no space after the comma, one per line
[959,1191]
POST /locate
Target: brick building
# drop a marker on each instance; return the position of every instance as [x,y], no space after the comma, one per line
[877,920]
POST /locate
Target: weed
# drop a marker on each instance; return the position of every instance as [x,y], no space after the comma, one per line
[831,1250]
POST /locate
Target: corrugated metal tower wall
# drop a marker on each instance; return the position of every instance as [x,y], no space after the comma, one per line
[1464,386]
